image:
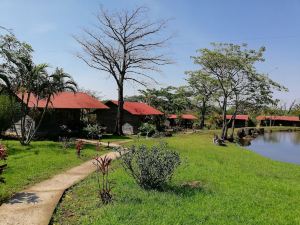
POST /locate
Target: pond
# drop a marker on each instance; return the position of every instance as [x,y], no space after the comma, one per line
[281,146]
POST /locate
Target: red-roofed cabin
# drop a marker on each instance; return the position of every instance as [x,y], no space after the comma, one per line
[135,113]
[240,121]
[279,120]
[184,120]
[65,109]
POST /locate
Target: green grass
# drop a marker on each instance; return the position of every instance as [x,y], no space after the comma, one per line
[37,162]
[237,187]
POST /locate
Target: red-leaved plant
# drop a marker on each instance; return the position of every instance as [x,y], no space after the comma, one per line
[102,164]
[3,156]
[79,146]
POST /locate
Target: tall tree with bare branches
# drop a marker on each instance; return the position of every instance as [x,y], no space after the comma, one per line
[126,46]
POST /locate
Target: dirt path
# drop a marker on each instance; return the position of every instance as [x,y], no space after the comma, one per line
[35,205]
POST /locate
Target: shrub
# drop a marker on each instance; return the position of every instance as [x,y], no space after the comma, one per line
[8,109]
[3,156]
[66,142]
[162,134]
[93,131]
[151,167]
[147,129]
[102,164]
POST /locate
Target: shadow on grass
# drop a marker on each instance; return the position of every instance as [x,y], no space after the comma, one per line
[187,189]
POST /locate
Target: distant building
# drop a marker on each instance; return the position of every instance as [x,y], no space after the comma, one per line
[240,121]
[64,110]
[279,120]
[135,113]
[183,120]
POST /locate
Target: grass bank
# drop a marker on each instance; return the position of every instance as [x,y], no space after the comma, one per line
[28,165]
[237,186]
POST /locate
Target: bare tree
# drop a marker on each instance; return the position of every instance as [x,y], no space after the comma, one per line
[126,46]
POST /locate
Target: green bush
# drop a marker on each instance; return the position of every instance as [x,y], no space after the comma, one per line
[151,167]
[147,129]
[8,109]
[93,131]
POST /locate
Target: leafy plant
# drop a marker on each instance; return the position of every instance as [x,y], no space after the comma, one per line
[79,146]
[93,131]
[66,142]
[151,167]
[147,129]
[8,109]
[3,156]
[102,164]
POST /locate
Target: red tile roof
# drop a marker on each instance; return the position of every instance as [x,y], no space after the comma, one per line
[188,117]
[68,100]
[183,116]
[138,108]
[282,118]
[172,116]
[238,117]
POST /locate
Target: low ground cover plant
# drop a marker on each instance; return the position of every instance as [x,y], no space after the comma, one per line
[66,142]
[151,167]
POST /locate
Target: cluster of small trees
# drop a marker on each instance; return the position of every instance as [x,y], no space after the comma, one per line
[22,79]
[230,73]
[227,80]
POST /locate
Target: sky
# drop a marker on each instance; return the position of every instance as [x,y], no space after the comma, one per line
[49,26]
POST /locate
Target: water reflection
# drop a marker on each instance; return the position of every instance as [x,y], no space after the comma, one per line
[282,146]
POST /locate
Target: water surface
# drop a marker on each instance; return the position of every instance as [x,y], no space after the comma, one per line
[281,146]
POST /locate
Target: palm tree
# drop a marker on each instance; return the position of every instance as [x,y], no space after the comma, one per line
[57,82]
[45,87]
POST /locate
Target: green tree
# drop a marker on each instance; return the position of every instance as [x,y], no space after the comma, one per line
[31,83]
[234,68]
[170,100]
[203,88]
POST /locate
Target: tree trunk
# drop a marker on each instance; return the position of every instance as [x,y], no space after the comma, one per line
[203,112]
[120,112]
[224,126]
[233,124]
[35,129]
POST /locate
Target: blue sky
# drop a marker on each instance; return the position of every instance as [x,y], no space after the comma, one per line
[49,25]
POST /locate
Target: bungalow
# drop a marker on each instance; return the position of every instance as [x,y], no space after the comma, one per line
[135,113]
[240,121]
[185,120]
[64,110]
[279,120]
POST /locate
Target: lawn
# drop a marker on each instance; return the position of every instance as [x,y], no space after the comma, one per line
[237,187]
[37,162]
